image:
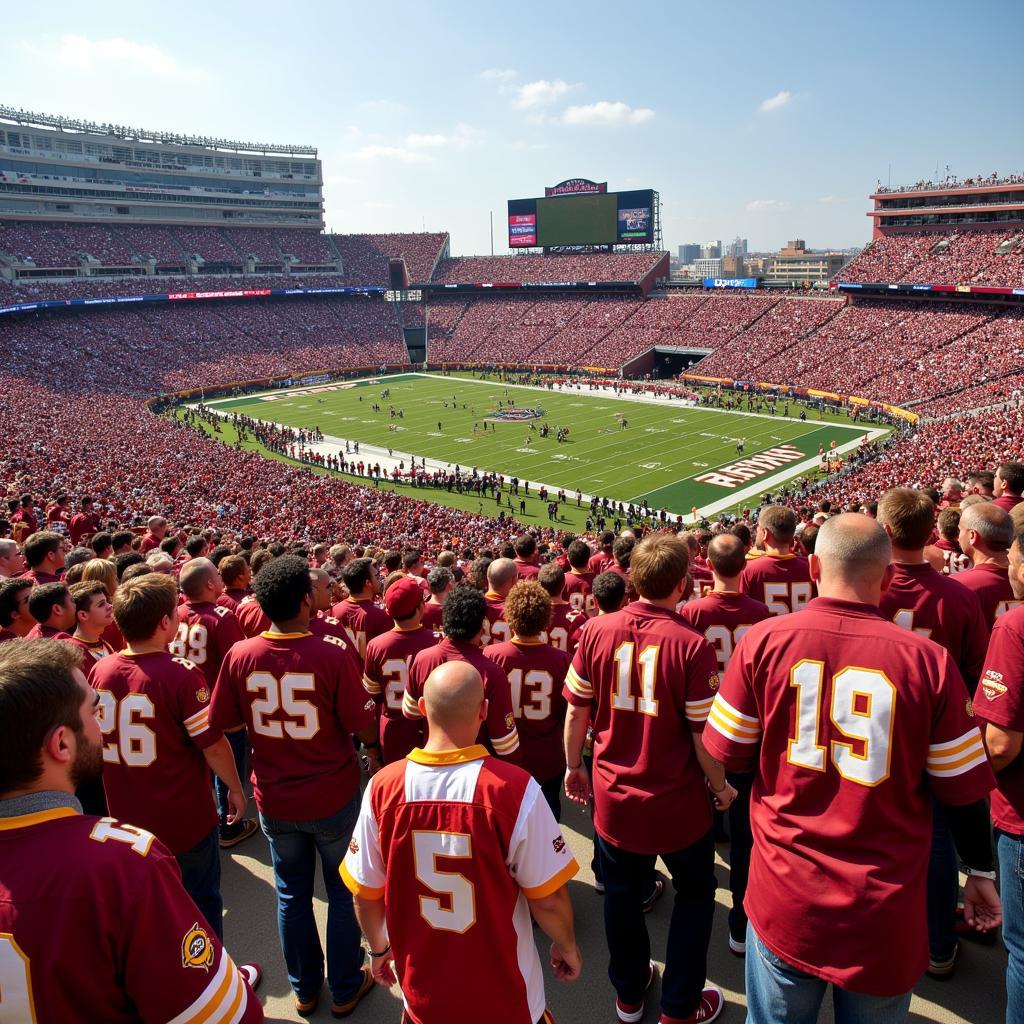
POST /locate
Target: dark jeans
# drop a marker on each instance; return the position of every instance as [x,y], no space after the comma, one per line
[943,888]
[626,877]
[239,742]
[552,790]
[741,842]
[294,847]
[200,875]
[1011,891]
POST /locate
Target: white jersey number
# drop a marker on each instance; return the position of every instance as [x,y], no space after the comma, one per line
[535,687]
[190,643]
[281,694]
[783,598]
[622,692]
[457,911]
[863,707]
[15,982]
[135,743]
[724,641]
[396,678]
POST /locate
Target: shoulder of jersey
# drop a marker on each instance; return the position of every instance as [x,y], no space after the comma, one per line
[117,842]
[219,609]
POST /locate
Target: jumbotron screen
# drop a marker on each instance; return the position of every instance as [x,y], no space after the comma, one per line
[608,218]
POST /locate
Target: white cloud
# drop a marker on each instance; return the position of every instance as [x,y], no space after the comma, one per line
[415,141]
[461,137]
[79,53]
[767,206]
[396,153]
[501,75]
[605,113]
[541,93]
[780,99]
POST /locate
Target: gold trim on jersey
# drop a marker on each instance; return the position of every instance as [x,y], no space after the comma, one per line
[366,892]
[554,883]
[36,818]
[269,634]
[461,755]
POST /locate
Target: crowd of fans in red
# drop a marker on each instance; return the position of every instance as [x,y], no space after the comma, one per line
[531,269]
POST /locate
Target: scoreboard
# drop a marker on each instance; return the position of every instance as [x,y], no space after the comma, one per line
[605,218]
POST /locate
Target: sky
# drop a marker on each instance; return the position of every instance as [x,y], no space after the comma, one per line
[770,125]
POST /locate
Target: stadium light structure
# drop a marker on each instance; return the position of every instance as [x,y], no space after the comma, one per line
[67,124]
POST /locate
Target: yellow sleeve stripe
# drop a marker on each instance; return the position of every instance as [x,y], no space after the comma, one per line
[745,721]
[366,892]
[965,764]
[409,707]
[201,713]
[731,731]
[954,747]
[581,687]
[371,686]
[221,998]
[195,726]
[554,883]
[507,743]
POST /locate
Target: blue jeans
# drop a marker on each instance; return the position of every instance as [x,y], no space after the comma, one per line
[778,993]
[239,742]
[294,846]
[627,883]
[200,875]
[1011,890]
[943,888]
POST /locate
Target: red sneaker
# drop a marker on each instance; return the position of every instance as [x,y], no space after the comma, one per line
[712,1000]
[631,1013]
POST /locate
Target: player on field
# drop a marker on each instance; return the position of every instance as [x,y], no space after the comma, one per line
[852,725]
[94,922]
[566,622]
[648,680]
[301,698]
[923,600]
[579,578]
[723,617]
[536,673]
[464,620]
[93,616]
[502,576]
[454,851]
[54,611]
[15,619]
[986,531]
[362,619]
[158,744]
[440,581]
[999,704]
[389,658]
[778,578]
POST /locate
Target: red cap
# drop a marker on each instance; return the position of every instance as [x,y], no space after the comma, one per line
[403,597]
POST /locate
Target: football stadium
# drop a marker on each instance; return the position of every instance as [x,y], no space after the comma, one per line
[296,499]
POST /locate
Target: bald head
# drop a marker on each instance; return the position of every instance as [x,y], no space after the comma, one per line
[852,552]
[727,555]
[501,575]
[196,573]
[452,697]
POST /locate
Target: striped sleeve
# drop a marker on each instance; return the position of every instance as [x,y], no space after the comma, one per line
[956,757]
[410,708]
[198,723]
[697,711]
[371,686]
[578,686]
[222,1001]
[731,724]
[507,744]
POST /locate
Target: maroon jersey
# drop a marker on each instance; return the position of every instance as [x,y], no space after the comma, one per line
[526,570]
[1008,502]
[722,618]
[38,577]
[95,926]
[577,592]
[859,722]
[386,669]
[536,676]
[362,620]
[601,562]
[921,599]
[650,680]
[783,582]
[455,843]
[301,698]
[563,632]
[495,627]
[953,559]
[206,632]
[154,713]
[703,580]
[91,652]
[433,614]
[992,585]
[1000,700]
[500,727]
[252,620]
[7,635]
[83,524]
[41,632]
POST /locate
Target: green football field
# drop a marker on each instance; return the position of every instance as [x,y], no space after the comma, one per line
[659,456]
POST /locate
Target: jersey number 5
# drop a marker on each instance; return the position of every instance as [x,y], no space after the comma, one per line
[863,708]
[457,911]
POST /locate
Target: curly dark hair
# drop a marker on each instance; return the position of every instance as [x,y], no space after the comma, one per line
[464,613]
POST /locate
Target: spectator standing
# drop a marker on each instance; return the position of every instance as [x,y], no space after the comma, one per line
[1008,485]
[986,531]
[778,578]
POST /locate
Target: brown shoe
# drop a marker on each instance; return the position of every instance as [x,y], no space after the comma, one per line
[339,1010]
[249,828]
[308,1007]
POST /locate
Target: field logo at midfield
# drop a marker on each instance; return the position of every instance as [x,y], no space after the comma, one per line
[749,469]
